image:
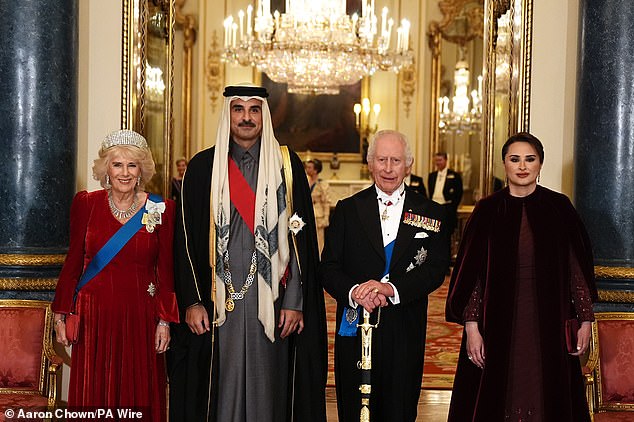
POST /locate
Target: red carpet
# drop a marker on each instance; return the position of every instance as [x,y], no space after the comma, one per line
[443,342]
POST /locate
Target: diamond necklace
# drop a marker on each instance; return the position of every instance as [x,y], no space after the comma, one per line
[119,214]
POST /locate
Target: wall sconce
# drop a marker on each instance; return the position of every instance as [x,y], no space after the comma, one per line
[367,126]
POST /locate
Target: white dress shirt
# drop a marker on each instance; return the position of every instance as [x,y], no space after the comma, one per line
[437,195]
[390,210]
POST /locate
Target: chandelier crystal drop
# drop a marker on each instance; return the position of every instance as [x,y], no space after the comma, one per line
[314,46]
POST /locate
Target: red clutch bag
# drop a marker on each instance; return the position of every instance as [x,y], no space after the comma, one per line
[572,326]
[72,328]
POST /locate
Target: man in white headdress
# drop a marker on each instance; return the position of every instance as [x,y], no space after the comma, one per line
[254,343]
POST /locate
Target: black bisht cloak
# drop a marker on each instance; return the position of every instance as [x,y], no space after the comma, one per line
[489,252]
[190,355]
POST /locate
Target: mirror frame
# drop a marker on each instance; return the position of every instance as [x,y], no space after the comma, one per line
[438,31]
[519,59]
[133,68]
[519,83]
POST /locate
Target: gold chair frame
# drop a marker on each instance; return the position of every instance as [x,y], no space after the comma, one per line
[51,363]
[593,373]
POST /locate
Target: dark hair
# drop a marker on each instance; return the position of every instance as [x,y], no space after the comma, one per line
[441,154]
[317,164]
[529,139]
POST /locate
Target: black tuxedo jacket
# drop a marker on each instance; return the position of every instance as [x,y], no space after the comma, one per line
[452,191]
[416,183]
[353,254]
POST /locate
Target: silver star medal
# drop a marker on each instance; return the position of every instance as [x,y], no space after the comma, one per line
[151,289]
[295,223]
[421,256]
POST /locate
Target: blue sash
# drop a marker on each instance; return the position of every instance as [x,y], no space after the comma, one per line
[114,245]
[350,317]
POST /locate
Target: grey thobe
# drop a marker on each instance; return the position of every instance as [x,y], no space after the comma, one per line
[252,371]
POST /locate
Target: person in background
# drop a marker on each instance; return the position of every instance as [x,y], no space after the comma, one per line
[321,200]
[416,183]
[524,267]
[253,346]
[387,248]
[445,188]
[177,181]
[126,307]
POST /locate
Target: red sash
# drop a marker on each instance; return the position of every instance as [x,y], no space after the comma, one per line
[242,196]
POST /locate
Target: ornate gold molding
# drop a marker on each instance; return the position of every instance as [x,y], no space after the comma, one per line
[613,272]
[31,260]
[407,77]
[619,296]
[189,27]
[15,283]
[215,71]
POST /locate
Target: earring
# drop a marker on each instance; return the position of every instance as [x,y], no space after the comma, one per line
[108,185]
[138,180]
[539,174]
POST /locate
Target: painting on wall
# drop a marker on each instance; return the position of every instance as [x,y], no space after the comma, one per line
[316,123]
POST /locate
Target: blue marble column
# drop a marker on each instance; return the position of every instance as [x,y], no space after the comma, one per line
[604,155]
[38,141]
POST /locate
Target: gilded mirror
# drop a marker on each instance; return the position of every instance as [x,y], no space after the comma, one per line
[491,38]
[147,79]
[508,37]
[456,43]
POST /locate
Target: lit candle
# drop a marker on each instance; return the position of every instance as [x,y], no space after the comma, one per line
[355,19]
[228,23]
[364,8]
[445,107]
[267,7]
[399,39]
[234,30]
[357,113]
[241,16]
[480,86]
[405,24]
[377,110]
[390,24]
[383,21]
[366,106]
[249,12]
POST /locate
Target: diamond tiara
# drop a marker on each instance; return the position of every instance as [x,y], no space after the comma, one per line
[124,137]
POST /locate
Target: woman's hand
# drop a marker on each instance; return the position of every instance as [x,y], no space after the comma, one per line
[583,338]
[162,336]
[475,344]
[60,328]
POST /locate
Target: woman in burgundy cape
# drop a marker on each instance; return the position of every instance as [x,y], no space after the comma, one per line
[126,308]
[524,267]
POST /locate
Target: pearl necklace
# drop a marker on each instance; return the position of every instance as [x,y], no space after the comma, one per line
[120,214]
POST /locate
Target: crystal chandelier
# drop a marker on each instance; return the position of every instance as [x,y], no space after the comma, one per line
[460,117]
[314,46]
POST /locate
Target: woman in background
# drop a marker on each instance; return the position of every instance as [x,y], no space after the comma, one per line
[523,269]
[321,201]
[177,181]
[126,307]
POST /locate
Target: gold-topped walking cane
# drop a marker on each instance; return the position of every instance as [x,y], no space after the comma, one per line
[365,364]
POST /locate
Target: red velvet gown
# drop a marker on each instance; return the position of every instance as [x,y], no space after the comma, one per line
[114,364]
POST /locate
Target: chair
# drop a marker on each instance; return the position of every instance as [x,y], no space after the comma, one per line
[28,365]
[609,370]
